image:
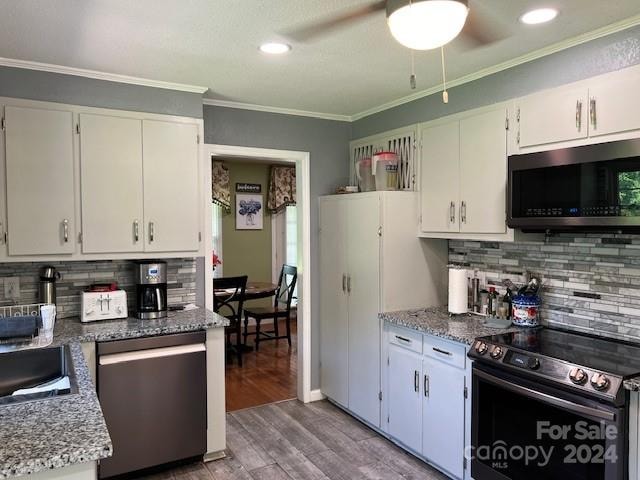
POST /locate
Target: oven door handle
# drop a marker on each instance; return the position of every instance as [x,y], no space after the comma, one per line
[546,398]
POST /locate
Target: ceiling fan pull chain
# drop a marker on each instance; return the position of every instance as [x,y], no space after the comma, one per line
[445,94]
[412,78]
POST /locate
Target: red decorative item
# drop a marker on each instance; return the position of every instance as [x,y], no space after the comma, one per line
[215,260]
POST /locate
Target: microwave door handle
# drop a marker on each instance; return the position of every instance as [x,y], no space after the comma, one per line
[546,398]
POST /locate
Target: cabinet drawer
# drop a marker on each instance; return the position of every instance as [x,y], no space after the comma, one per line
[449,352]
[406,338]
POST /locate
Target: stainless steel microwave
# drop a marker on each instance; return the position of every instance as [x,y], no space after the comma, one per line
[590,188]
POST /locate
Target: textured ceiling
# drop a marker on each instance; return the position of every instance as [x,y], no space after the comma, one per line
[214,43]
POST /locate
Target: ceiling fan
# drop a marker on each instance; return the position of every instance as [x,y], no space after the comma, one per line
[416,24]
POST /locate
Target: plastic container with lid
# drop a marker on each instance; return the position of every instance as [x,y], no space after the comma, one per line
[385,170]
[526,310]
[366,181]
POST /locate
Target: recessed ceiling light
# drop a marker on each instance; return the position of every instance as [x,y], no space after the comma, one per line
[275,48]
[539,15]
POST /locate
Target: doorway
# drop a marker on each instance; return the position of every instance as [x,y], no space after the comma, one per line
[295,220]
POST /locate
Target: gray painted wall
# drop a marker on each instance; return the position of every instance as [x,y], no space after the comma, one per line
[55,87]
[327,143]
[599,56]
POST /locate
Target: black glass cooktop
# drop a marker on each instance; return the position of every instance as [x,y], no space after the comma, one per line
[596,353]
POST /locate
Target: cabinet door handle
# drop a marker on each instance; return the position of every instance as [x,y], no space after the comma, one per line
[344,283]
[348,283]
[579,115]
[463,212]
[402,339]
[152,232]
[416,381]
[593,113]
[65,229]
[452,212]
[426,386]
[443,352]
[136,231]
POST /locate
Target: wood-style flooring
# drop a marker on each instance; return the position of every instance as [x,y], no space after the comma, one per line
[267,376]
[294,441]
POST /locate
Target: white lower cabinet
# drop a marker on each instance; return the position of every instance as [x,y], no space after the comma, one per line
[426,398]
[404,400]
[443,416]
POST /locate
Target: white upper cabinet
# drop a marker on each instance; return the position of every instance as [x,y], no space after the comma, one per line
[439,174]
[614,104]
[40,181]
[170,161]
[553,116]
[483,173]
[463,174]
[111,184]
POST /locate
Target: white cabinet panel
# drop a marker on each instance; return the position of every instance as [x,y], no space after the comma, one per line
[483,173]
[334,380]
[40,181]
[363,285]
[553,116]
[170,163]
[111,184]
[614,104]
[404,399]
[439,174]
[443,416]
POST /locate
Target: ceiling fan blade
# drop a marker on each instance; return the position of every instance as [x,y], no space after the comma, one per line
[482,28]
[312,30]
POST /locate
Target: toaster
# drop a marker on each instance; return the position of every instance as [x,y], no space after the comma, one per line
[107,305]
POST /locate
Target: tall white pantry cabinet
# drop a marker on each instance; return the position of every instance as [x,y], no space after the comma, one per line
[371,261]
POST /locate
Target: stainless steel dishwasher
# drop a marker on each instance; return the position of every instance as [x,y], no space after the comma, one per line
[153,393]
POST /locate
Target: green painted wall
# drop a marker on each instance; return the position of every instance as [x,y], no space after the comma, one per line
[247,252]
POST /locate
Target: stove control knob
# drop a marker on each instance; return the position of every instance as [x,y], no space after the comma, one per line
[600,382]
[482,348]
[496,353]
[533,363]
[578,376]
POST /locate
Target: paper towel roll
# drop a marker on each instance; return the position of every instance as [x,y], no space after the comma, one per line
[458,290]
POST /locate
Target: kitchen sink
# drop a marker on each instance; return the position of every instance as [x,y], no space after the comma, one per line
[34,374]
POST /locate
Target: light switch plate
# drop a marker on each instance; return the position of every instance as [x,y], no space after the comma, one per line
[12,288]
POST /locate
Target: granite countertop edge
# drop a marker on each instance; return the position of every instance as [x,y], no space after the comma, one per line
[30,428]
[33,427]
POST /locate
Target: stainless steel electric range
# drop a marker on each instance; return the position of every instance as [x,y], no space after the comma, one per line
[550,404]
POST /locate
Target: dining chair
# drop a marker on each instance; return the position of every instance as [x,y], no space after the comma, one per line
[282,308]
[228,300]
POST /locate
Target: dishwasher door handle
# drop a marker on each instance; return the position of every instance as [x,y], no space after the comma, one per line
[114,358]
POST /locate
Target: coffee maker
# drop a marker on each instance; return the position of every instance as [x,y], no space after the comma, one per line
[151,293]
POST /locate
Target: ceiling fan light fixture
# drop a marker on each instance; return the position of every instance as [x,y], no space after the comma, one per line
[275,48]
[426,24]
[538,16]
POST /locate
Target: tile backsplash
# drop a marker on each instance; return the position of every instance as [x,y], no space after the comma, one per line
[76,276]
[591,282]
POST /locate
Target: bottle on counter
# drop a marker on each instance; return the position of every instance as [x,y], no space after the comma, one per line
[508,300]
[493,302]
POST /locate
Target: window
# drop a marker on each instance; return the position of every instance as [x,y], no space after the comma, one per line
[216,227]
[291,235]
[629,189]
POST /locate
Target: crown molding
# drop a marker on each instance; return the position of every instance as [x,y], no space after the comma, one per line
[543,52]
[283,111]
[110,77]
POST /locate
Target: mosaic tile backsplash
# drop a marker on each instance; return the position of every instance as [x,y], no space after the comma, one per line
[76,276]
[591,283]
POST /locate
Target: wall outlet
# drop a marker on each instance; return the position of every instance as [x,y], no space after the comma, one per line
[12,288]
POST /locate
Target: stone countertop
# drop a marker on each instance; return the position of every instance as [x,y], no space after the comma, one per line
[632,384]
[438,322]
[58,432]
[72,330]
[55,432]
